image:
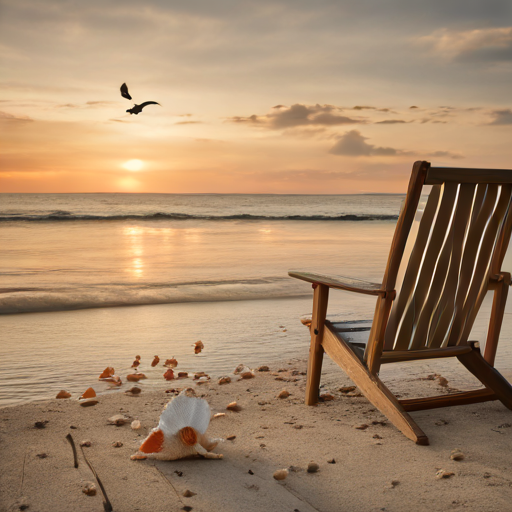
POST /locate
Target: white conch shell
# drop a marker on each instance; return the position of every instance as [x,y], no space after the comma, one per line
[180,432]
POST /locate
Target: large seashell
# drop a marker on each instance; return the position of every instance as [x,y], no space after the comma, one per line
[198,346]
[169,374]
[155,361]
[171,363]
[88,393]
[107,372]
[63,394]
[180,431]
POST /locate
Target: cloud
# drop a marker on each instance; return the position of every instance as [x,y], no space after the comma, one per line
[502,117]
[445,154]
[353,144]
[480,45]
[298,115]
[189,122]
[5,116]
[392,121]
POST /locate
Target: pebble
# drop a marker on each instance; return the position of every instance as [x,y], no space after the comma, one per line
[134,391]
[233,406]
[364,426]
[442,473]
[457,454]
[182,375]
[63,394]
[89,488]
[189,494]
[89,402]
[85,443]
[118,420]
[376,436]
[231,438]
[280,474]
[379,422]
[117,444]
[326,397]
[187,508]
[283,394]
[247,374]
[135,425]
[347,389]
[332,461]
[219,415]
[224,380]
[42,455]
[40,424]
[263,368]
[313,467]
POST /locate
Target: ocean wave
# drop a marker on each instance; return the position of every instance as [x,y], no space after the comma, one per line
[30,300]
[68,216]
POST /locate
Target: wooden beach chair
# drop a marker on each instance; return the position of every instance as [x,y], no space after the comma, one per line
[454,260]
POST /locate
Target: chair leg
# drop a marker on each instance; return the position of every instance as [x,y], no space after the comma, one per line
[488,375]
[316,352]
[372,387]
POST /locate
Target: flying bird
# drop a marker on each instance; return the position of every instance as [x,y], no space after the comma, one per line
[136,109]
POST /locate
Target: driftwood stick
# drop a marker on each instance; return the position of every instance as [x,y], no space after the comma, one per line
[72,443]
[106,504]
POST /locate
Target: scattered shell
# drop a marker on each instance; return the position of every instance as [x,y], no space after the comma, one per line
[263,368]
[200,375]
[88,393]
[107,372]
[280,474]
[444,474]
[457,454]
[136,425]
[331,461]
[113,379]
[171,363]
[305,321]
[135,363]
[169,374]
[182,375]
[283,394]
[379,422]
[85,443]
[326,397]
[202,380]
[137,358]
[233,406]
[118,420]
[191,392]
[88,402]
[364,426]
[155,361]
[117,444]
[174,391]
[239,369]
[63,394]
[231,438]
[224,380]
[198,346]
[189,494]
[219,415]
[133,391]
[247,374]
[40,424]
[347,389]
[42,455]
[313,467]
[376,436]
[393,484]
[135,377]
[89,488]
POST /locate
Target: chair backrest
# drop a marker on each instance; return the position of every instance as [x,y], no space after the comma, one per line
[460,243]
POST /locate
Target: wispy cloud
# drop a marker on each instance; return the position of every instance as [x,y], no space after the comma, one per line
[352,143]
[5,116]
[502,117]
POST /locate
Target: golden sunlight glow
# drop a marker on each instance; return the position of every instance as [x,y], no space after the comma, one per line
[133,165]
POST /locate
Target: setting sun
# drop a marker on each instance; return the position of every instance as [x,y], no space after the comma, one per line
[133,165]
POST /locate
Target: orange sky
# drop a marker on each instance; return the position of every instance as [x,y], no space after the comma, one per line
[256,97]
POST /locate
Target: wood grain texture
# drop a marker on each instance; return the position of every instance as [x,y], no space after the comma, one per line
[394,356]
[496,320]
[316,352]
[438,175]
[371,386]
[460,398]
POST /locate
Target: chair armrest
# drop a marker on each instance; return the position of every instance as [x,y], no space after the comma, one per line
[342,283]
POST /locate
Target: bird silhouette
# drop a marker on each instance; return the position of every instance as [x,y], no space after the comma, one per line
[136,109]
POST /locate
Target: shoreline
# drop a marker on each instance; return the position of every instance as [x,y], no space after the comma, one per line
[374,468]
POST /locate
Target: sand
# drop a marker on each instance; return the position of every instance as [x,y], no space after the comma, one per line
[373,469]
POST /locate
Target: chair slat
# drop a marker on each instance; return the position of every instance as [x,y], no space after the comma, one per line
[425,272]
[469,258]
[438,175]
[449,261]
[443,314]
[412,267]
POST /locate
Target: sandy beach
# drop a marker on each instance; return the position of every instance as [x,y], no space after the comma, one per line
[360,469]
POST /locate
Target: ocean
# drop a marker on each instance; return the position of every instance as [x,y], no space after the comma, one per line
[90,280]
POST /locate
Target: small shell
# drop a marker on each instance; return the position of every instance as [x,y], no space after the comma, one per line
[313,467]
[85,443]
[457,454]
[219,415]
[233,406]
[248,374]
[88,402]
[135,363]
[169,374]
[189,494]
[283,394]
[224,380]
[198,346]
[136,425]
[182,375]
[118,420]
[88,393]
[113,379]
[117,444]
[171,363]
[443,474]
[155,361]
[280,474]
[263,368]
[201,375]
[135,377]
[326,397]
[240,368]
[137,358]
[107,372]
[63,394]
[133,391]
[89,488]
